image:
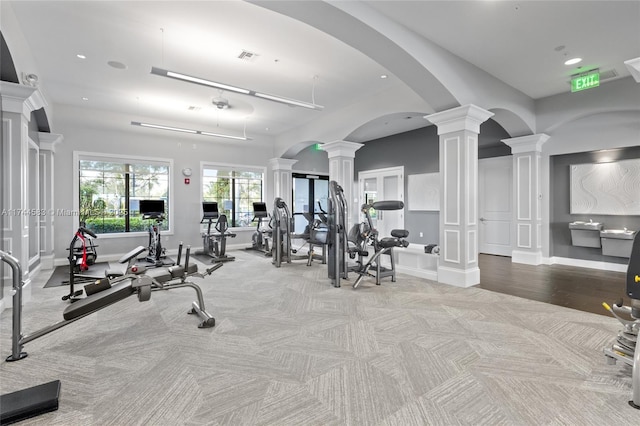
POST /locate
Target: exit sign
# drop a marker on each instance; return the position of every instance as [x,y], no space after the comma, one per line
[585,81]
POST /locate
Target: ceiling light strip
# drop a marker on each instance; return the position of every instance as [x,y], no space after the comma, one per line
[210,83]
[191,131]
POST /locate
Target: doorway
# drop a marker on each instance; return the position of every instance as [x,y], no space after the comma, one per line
[310,193]
[495,200]
[380,185]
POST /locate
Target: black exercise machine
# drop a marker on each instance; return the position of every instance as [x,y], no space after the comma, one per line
[214,244]
[625,347]
[260,238]
[355,243]
[282,223]
[153,210]
[112,289]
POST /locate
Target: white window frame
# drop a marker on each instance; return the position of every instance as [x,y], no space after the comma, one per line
[98,156]
[234,167]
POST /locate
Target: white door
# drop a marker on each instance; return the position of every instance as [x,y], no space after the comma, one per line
[381,185]
[495,179]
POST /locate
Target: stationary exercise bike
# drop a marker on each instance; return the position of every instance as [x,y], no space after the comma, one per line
[154,210]
[214,244]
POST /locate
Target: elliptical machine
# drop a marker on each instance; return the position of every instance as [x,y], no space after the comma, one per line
[625,348]
[260,238]
[214,244]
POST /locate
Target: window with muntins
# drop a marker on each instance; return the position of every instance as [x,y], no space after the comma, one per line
[235,190]
[110,192]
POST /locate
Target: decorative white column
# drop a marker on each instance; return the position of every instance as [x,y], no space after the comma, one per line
[18,102]
[341,155]
[458,129]
[48,143]
[280,169]
[527,195]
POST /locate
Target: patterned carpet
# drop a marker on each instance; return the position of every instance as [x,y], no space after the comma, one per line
[289,349]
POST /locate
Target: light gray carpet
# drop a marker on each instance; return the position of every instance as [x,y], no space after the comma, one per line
[289,349]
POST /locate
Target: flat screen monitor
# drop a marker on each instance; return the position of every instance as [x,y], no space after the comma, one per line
[209,209]
[260,209]
[151,207]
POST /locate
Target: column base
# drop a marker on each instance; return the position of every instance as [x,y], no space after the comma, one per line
[47,261]
[526,257]
[458,277]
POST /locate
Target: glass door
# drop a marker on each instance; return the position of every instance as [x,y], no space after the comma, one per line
[310,193]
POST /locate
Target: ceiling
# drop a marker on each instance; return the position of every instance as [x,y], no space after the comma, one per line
[524,44]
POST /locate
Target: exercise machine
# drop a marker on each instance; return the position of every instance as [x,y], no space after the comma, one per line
[140,282]
[214,244]
[357,241]
[36,400]
[260,238]
[337,247]
[624,348]
[282,224]
[367,235]
[82,254]
[153,210]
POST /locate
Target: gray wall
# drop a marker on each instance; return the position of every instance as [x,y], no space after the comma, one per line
[418,152]
[560,236]
[82,134]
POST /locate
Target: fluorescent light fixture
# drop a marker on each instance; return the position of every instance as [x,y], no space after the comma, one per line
[572,61]
[210,83]
[287,101]
[194,132]
[218,135]
[198,80]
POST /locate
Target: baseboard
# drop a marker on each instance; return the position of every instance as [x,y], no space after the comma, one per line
[591,264]
[458,277]
[415,272]
[526,257]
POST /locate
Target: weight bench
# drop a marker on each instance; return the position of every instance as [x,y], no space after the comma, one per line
[142,281]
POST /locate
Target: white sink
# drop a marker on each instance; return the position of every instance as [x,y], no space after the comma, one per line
[621,234]
[586,226]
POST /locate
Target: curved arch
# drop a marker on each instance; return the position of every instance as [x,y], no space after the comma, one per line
[441,79]
[295,149]
[511,122]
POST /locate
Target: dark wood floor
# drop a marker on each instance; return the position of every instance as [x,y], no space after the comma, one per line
[578,288]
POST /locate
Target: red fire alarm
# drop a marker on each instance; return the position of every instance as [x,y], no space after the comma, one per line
[187,181]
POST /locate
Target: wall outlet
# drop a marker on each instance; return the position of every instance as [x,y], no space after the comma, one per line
[421,235]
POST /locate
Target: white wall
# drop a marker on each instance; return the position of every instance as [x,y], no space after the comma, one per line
[82,133]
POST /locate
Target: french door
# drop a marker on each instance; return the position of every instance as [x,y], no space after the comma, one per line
[383,185]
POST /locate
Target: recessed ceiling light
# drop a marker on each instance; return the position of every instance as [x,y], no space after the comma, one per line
[572,61]
[84,98]
[384,76]
[81,56]
[117,65]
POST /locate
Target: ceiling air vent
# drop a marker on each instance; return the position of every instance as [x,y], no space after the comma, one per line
[606,75]
[245,55]
[194,108]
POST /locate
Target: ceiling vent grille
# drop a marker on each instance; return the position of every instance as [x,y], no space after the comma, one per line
[247,56]
[606,75]
[194,108]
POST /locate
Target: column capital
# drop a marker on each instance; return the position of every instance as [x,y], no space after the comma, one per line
[48,141]
[467,117]
[633,65]
[341,148]
[21,99]
[529,143]
[282,163]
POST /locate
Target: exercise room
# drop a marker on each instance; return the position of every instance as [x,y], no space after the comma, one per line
[322,213]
